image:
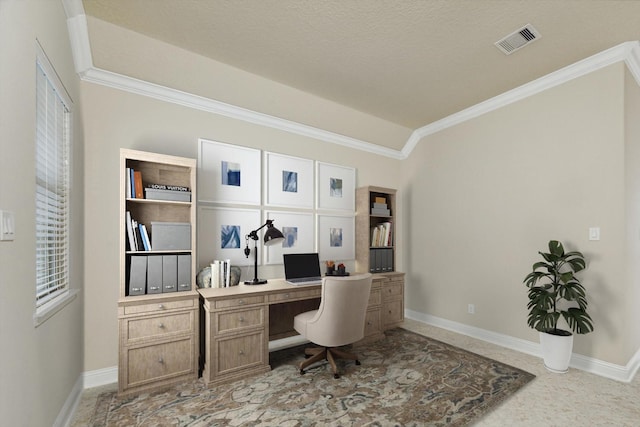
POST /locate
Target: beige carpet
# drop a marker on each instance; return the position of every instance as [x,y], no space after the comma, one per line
[404,380]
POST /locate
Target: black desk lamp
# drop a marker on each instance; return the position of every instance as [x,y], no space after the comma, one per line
[271,237]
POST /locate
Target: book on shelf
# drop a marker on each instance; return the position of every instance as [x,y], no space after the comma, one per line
[130,235]
[381,235]
[145,237]
[220,273]
[137,183]
[167,187]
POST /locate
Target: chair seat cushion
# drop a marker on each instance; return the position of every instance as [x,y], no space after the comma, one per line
[301,320]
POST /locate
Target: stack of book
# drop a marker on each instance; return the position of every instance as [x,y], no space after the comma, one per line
[381,235]
[134,184]
[220,273]
[137,235]
[379,207]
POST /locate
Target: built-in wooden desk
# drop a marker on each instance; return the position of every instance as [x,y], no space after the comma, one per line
[239,321]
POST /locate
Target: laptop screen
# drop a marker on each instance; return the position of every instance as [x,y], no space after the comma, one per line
[298,266]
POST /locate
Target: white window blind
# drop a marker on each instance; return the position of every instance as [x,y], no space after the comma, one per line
[53,119]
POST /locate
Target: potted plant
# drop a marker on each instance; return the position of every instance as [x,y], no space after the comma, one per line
[555,291]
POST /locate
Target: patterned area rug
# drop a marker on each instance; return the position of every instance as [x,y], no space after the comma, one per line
[404,380]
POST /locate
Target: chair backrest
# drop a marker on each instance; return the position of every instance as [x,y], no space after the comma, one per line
[341,315]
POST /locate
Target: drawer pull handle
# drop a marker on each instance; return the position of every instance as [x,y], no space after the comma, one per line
[241,353]
[154,288]
[161,326]
[136,289]
[241,319]
[161,360]
[160,306]
[241,302]
[286,295]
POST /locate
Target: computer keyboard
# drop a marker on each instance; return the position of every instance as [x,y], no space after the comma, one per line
[305,281]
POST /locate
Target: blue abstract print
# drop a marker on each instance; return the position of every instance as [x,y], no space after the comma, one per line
[290,236]
[230,237]
[230,173]
[335,187]
[290,181]
[335,237]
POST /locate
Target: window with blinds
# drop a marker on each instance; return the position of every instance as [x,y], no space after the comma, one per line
[53,119]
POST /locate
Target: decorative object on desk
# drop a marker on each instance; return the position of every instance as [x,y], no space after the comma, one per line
[330,267]
[203,279]
[553,287]
[234,275]
[342,270]
[441,385]
[271,237]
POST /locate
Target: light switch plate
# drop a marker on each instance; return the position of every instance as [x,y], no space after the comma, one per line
[594,233]
[7,225]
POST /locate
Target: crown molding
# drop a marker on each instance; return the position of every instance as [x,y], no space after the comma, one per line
[629,52]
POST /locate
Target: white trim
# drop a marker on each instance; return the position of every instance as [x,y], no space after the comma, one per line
[629,52]
[578,361]
[45,312]
[100,377]
[68,410]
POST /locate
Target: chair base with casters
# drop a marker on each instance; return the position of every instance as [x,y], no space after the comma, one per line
[339,321]
[316,354]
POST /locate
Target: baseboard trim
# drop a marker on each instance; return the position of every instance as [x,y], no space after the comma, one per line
[100,377]
[589,364]
[68,410]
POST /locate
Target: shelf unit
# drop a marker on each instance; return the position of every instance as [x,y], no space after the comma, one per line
[159,332]
[369,256]
[389,312]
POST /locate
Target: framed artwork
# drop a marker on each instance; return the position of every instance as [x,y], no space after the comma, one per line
[288,181]
[222,234]
[228,173]
[336,237]
[336,187]
[298,231]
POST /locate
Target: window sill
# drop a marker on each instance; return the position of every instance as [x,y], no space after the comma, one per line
[44,314]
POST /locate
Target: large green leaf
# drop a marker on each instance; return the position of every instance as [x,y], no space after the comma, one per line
[578,320]
[555,247]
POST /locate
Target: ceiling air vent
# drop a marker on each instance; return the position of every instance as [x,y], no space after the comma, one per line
[518,39]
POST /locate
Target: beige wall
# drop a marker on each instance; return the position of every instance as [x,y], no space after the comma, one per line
[115,119]
[483,197]
[38,366]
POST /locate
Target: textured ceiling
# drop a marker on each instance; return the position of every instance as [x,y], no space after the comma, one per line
[409,62]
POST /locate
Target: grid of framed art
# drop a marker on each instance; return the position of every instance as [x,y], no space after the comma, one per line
[240,188]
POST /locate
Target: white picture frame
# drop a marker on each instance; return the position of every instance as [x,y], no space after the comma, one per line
[335,187]
[288,181]
[299,231]
[335,235]
[228,173]
[222,234]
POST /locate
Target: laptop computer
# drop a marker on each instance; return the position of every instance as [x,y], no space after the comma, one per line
[302,269]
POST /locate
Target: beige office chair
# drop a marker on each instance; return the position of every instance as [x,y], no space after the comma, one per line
[338,321]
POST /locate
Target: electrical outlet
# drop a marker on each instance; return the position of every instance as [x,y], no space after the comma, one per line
[471,308]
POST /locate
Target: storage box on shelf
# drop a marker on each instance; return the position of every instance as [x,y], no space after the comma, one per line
[158,304]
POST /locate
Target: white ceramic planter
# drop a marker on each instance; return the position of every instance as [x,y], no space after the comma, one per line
[556,351]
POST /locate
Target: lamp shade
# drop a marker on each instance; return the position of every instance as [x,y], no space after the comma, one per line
[272,236]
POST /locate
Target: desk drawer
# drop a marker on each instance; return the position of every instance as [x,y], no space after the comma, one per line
[158,326]
[375,297]
[392,313]
[230,321]
[240,352]
[295,295]
[239,301]
[160,361]
[392,289]
[372,325]
[159,306]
